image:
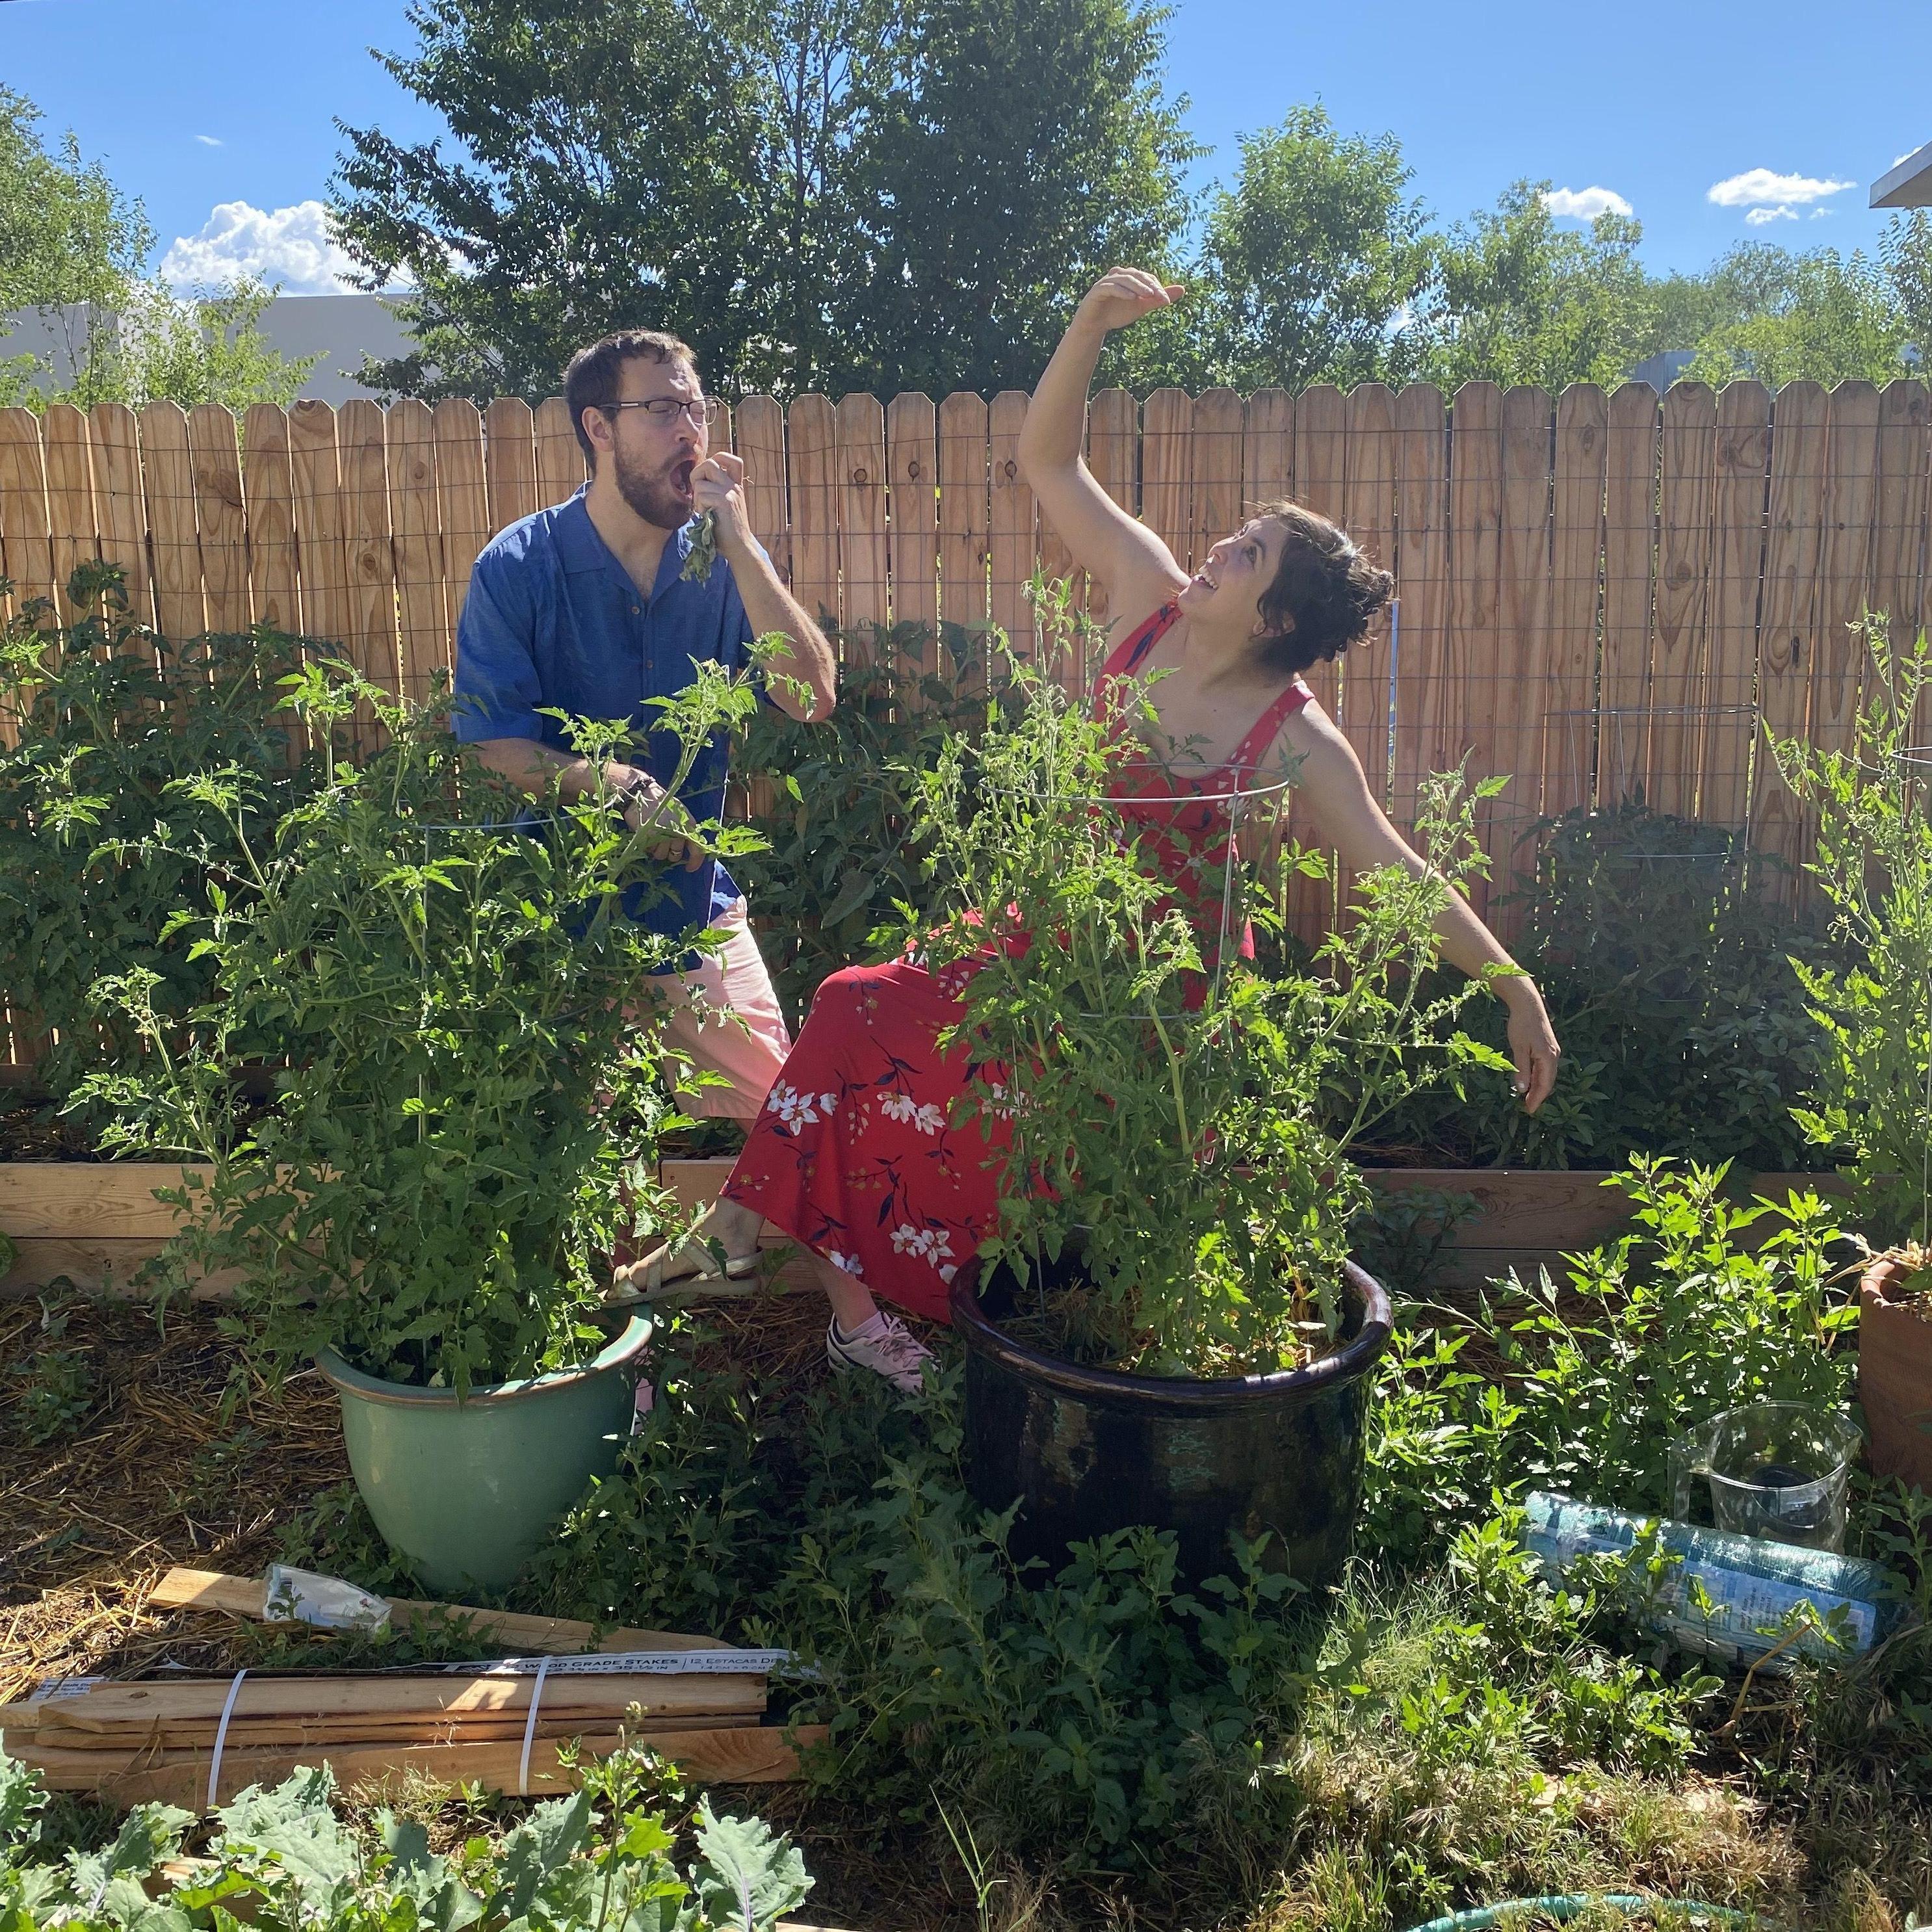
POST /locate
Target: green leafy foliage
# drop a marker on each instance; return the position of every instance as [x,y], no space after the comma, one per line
[1874,866]
[136,776]
[842,850]
[1666,966]
[601,1860]
[1706,1305]
[1163,1098]
[56,1389]
[468,1113]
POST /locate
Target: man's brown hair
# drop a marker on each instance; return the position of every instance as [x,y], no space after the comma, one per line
[595,376]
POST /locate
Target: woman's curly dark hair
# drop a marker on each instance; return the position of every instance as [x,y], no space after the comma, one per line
[1325,593]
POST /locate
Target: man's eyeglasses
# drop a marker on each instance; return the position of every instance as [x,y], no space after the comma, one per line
[704,411]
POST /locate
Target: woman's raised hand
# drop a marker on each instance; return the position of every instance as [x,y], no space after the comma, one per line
[1123,296]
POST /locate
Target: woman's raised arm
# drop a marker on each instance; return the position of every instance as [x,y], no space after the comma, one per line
[1138,569]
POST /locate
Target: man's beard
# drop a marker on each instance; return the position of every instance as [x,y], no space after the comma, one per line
[652,495]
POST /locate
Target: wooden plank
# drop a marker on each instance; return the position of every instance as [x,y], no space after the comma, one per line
[811,466]
[1219,508]
[215,462]
[1014,549]
[1899,519]
[1113,455]
[268,493]
[1519,714]
[1737,567]
[1576,588]
[1321,484]
[1475,517]
[1424,700]
[1371,522]
[1267,448]
[1845,563]
[859,427]
[89,1264]
[463,493]
[423,642]
[1792,545]
[107,1199]
[316,483]
[26,538]
[70,514]
[561,471]
[368,553]
[1680,637]
[758,429]
[750,1754]
[510,461]
[247,1596]
[912,479]
[167,471]
[1167,471]
[121,512]
[965,551]
[1630,543]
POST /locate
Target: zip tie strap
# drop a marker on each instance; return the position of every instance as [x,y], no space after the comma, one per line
[221,1737]
[530,1729]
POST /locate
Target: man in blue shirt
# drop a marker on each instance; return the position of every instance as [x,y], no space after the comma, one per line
[584,608]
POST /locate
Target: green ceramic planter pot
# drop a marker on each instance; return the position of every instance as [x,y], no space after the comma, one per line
[465,1490]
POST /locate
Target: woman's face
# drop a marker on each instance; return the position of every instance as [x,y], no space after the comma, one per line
[1228,587]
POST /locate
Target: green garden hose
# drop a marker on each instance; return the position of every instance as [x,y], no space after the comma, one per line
[1567,1905]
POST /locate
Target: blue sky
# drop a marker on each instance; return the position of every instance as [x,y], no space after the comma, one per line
[220,113]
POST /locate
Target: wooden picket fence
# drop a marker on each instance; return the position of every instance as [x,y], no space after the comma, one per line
[1602,594]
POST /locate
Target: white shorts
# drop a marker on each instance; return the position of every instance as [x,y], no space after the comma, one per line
[726,1020]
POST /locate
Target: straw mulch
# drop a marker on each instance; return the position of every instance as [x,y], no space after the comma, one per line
[178,1457]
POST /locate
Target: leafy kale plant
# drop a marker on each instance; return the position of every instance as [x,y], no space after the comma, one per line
[601,1860]
[108,827]
[1874,866]
[467,1113]
[1165,1100]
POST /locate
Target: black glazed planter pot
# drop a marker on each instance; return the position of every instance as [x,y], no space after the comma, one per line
[1087,1451]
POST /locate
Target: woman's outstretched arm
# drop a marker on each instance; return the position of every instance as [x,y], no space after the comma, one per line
[1137,570]
[1336,789]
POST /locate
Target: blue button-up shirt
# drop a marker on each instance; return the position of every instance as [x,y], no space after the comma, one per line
[553,620]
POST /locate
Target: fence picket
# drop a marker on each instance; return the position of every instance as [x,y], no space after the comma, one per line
[1217,509]
[757,429]
[1898,529]
[422,641]
[167,470]
[1792,543]
[859,424]
[268,497]
[912,474]
[26,540]
[1522,634]
[120,517]
[811,448]
[1425,696]
[1743,454]
[316,478]
[1167,471]
[1014,548]
[964,549]
[1370,520]
[1471,655]
[70,512]
[463,489]
[368,553]
[214,463]
[1113,454]
[1575,589]
[1630,547]
[560,465]
[1685,495]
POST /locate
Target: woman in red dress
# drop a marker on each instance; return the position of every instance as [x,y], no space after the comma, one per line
[856,1156]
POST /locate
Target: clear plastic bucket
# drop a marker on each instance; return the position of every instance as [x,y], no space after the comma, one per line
[1776,1469]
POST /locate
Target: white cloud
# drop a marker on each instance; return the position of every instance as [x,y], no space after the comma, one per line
[1819,214]
[289,247]
[207,140]
[1585,204]
[1759,188]
[1757,216]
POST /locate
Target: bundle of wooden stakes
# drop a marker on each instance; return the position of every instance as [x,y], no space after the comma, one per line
[195,1741]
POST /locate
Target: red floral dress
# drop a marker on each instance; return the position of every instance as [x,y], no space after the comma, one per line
[855,1154]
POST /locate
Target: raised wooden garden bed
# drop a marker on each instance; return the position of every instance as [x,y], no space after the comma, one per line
[97,1223]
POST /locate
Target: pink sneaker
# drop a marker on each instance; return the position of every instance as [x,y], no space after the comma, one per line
[884,1344]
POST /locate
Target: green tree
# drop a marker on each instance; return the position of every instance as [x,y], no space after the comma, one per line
[72,248]
[854,193]
[1309,268]
[1839,320]
[1906,250]
[1006,153]
[1520,300]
